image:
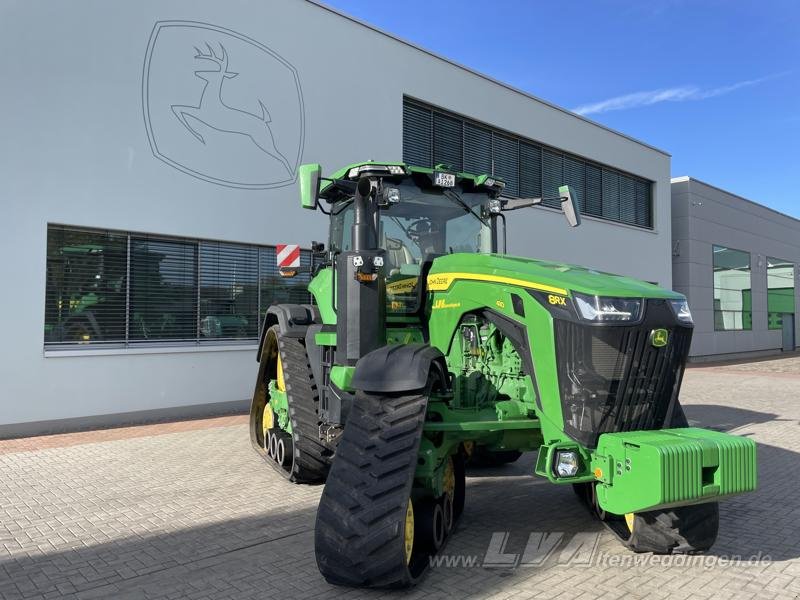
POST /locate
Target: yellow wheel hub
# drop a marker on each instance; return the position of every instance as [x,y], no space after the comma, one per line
[408,533]
[629,520]
[469,447]
[449,477]
[280,384]
[268,418]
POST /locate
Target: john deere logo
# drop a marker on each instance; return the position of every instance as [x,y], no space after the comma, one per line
[659,337]
[221,106]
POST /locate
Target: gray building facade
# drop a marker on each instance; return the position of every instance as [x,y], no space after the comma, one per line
[148,163]
[736,262]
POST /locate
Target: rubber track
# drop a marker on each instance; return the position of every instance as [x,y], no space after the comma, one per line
[678,530]
[359,528]
[311,456]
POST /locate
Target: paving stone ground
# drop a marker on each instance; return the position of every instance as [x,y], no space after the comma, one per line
[189,511]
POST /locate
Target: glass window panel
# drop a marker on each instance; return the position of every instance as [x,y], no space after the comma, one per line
[531,172]
[575,177]
[417,135]
[610,195]
[228,291]
[780,291]
[627,200]
[530,176]
[86,286]
[163,297]
[506,163]
[115,288]
[477,149]
[552,177]
[732,289]
[594,191]
[448,141]
[643,203]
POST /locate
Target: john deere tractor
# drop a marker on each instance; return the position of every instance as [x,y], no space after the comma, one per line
[426,343]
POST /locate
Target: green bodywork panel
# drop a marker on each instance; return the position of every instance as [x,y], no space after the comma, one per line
[280,407]
[541,274]
[341,376]
[642,470]
[322,288]
[307,176]
[325,338]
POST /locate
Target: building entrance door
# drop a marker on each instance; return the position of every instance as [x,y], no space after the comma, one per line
[788,332]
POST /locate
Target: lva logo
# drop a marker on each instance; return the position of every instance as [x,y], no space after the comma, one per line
[221,106]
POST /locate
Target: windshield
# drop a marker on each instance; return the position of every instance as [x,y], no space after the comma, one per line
[422,225]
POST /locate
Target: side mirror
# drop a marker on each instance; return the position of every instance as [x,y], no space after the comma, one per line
[308,176]
[569,205]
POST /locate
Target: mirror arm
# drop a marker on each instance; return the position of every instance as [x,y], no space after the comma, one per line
[518,203]
[322,210]
[528,202]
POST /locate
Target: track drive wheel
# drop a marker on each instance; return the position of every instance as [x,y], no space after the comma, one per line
[284,413]
[677,530]
[374,529]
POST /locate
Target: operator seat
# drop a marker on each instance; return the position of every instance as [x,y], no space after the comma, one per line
[397,255]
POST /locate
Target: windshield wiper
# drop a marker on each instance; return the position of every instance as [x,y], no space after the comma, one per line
[454,197]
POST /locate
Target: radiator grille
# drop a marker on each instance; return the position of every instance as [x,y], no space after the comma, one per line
[612,378]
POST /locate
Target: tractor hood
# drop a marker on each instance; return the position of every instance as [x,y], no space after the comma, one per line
[545,276]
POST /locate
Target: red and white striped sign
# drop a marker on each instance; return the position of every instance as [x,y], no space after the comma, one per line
[288,255]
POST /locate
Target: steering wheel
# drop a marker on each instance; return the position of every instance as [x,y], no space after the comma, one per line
[421,227]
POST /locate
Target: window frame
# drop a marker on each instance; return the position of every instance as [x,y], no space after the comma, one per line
[779,326]
[714,289]
[264,273]
[642,213]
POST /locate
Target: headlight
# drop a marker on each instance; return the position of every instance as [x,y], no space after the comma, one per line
[602,309]
[681,310]
[494,206]
[567,463]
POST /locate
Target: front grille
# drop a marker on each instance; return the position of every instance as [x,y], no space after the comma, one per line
[611,377]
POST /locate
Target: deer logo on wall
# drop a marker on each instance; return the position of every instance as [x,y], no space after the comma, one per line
[230,113]
[213,112]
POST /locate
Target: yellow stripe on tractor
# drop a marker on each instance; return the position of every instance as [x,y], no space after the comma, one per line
[441,282]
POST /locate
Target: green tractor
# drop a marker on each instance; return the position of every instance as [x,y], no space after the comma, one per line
[426,344]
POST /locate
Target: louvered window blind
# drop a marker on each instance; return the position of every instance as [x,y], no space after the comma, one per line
[432,136]
[110,288]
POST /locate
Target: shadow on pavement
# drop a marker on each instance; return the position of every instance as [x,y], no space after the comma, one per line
[271,554]
[764,521]
[725,418]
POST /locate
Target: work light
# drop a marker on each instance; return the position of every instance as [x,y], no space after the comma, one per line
[376,168]
[567,463]
[392,195]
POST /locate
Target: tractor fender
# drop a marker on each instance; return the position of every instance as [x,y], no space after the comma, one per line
[292,319]
[398,368]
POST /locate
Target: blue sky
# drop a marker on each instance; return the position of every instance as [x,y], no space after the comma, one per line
[715,83]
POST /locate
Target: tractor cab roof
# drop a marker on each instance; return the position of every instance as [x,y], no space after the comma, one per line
[398,172]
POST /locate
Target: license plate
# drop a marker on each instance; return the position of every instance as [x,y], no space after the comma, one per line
[444,179]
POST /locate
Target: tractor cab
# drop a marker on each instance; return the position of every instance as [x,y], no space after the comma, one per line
[416,215]
[418,222]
